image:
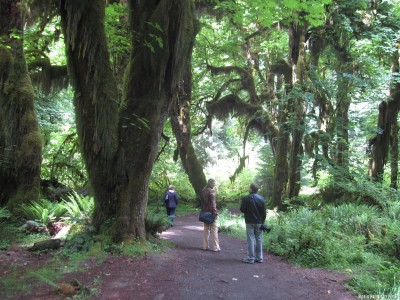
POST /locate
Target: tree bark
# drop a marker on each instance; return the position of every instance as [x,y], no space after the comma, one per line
[181,125]
[95,100]
[299,113]
[20,140]
[119,140]
[394,155]
[343,104]
[387,128]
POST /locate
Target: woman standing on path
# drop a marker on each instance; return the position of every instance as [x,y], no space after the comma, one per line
[210,237]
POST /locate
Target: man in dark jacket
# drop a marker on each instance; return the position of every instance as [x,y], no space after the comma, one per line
[253,207]
[171,199]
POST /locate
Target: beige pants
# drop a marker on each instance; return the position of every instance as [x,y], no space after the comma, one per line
[210,238]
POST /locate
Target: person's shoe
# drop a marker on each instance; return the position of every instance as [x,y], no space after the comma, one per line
[216,250]
[204,249]
[259,261]
[247,261]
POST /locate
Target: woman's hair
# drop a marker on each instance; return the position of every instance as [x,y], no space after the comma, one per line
[211,182]
[171,187]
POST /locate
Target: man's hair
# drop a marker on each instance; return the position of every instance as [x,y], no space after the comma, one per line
[254,187]
[171,187]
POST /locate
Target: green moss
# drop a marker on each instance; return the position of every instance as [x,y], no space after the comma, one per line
[6,62]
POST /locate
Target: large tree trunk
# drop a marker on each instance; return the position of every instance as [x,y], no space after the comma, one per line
[387,127]
[120,149]
[281,172]
[299,113]
[181,125]
[342,110]
[281,163]
[95,101]
[394,155]
[20,141]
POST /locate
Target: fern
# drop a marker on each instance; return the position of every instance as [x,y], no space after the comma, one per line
[43,211]
[4,213]
[79,207]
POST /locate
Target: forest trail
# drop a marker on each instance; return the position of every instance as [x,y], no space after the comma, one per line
[185,272]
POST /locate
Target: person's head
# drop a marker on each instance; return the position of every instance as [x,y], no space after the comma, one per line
[211,183]
[171,187]
[254,187]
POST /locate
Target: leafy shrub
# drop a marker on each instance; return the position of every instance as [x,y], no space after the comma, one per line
[80,242]
[230,224]
[79,207]
[156,222]
[80,239]
[359,192]
[4,214]
[43,211]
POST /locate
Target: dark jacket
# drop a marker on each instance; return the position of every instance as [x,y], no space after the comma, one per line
[209,200]
[253,207]
[171,199]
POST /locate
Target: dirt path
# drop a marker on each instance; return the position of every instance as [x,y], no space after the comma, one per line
[187,272]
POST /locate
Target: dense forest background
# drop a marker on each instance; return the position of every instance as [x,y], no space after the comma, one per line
[119,99]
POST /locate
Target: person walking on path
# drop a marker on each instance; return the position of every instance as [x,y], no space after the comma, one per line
[253,207]
[171,199]
[210,232]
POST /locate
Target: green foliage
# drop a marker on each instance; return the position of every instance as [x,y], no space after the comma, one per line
[80,242]
[156,222]
[43,211]
[61,159]
[230,224]
[321,238]
[358,190]
[79,207]
[116,25]
[4,214]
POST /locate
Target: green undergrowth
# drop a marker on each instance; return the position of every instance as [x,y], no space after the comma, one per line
[361,241]
[82,245]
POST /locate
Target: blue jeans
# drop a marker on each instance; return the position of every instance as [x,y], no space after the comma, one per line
[254,236]
[171,213]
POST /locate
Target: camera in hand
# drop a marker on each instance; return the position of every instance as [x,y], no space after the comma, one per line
[265,228]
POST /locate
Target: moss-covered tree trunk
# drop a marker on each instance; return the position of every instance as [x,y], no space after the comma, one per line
[181,125]
[20,141]
[343,99]
[95,100]
[394,155]
[387,127]
[299,114]
[288,153]
[119,139]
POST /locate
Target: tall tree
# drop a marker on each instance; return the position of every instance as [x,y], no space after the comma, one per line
[387,131]
[119,138]
[181,126]
[20,141]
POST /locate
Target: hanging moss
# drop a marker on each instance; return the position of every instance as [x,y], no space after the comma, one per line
[231,104]
[47,77]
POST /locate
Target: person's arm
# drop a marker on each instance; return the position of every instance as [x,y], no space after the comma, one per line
[213,199]
[243,207]
[166,197]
